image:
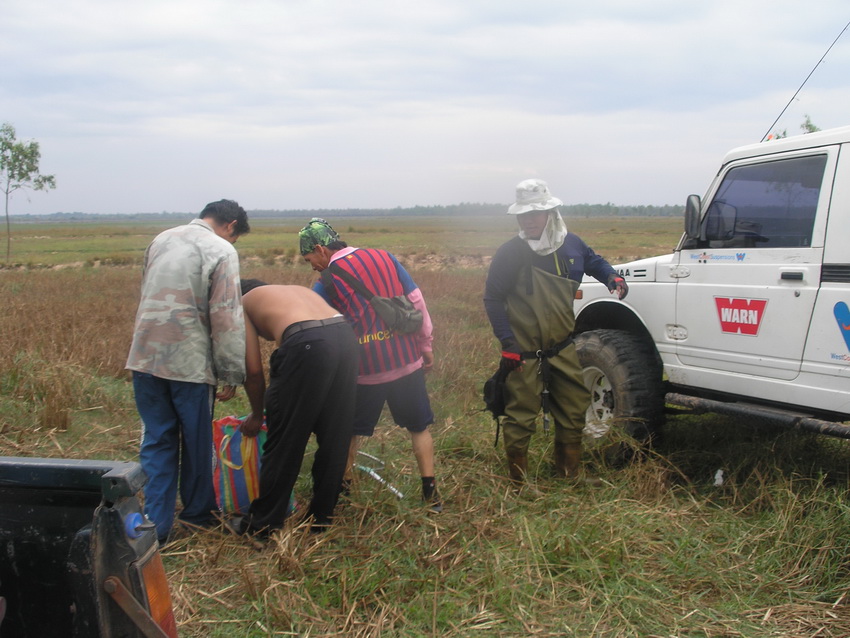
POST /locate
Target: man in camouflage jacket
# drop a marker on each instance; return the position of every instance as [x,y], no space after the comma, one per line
[189,336]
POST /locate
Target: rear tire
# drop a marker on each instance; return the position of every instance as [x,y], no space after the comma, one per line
[623,373]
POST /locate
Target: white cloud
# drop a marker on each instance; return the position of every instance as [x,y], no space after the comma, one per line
[166,105]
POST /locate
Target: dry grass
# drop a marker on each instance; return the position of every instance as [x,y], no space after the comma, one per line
[640,557]
[657,551]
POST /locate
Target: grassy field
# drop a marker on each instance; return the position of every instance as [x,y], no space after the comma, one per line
[275,241]
[659,550]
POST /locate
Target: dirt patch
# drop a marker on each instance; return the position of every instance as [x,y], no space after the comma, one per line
[432,262]
[413,261]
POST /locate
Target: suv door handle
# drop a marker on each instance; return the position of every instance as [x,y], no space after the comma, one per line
[793,276]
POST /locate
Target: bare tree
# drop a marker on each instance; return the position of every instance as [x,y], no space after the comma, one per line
[19,170]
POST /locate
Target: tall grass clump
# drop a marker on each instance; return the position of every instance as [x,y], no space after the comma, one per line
[725,528]
[66,340]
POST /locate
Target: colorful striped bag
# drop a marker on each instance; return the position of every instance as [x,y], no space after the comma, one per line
[236,477]
[237,468]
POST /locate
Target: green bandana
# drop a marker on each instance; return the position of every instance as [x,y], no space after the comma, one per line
[317,233]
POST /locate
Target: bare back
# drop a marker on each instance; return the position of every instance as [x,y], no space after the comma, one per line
[272,309]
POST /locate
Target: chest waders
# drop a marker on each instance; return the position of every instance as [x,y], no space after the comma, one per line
[544,369]
[540,310]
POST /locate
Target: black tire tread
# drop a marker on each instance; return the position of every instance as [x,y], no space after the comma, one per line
[634,370]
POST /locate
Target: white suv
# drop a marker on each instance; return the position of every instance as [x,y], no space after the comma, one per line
[751,313]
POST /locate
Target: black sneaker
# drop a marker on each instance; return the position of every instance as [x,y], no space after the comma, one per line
[320,527]
[434,503]
[430,495]
[240,526]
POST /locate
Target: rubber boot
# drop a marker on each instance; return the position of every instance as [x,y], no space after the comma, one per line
[568,464]
[518,471]
[517,466]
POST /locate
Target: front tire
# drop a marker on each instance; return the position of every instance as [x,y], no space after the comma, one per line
[623,373]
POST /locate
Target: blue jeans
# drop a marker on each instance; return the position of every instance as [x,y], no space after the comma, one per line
[176,442]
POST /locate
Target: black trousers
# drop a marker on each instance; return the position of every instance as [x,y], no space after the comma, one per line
[312,389]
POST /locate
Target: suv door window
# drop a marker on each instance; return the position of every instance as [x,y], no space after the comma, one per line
[767,205]
[756,264]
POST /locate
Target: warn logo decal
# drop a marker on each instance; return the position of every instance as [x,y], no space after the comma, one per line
[740,316]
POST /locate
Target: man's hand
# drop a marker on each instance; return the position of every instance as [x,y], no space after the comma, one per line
[427,361]
[226,393]
[251,425]
[510,361]
[618,284]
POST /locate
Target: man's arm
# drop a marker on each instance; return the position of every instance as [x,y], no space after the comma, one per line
[319,289]
[598,268]
[595,265]
[255,381]
[407,283]
[501,280]
[425,336]
[227,324]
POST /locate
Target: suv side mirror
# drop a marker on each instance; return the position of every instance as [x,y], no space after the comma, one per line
[693,208]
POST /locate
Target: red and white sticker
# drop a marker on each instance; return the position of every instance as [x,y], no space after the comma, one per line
[740,316]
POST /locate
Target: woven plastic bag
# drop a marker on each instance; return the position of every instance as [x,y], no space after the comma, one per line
[236,476]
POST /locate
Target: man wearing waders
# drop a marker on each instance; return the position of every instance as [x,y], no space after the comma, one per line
[528,297]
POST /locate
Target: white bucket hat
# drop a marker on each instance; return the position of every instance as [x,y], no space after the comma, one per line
[531,195]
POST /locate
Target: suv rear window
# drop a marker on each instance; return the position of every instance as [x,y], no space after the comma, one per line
[768,205]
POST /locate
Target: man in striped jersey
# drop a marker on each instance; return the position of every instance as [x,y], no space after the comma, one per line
[392,365]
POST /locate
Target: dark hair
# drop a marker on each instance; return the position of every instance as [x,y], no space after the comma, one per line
[337,245]
[249,284]
[225,211]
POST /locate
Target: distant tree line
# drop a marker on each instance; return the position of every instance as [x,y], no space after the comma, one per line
[613,210]
[572,210]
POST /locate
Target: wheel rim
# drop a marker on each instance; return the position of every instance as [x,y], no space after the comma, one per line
[600,413]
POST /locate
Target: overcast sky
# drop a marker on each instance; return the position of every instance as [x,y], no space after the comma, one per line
[165,105]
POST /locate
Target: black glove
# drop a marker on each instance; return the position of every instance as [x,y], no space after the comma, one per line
[615,282]
[510,361]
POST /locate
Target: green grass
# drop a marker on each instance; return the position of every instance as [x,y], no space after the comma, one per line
[652,553]
[275,241]
[658,550]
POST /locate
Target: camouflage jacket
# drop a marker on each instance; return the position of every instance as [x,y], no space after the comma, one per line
[189,325]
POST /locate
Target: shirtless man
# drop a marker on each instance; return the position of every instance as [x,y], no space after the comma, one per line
[312,385]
